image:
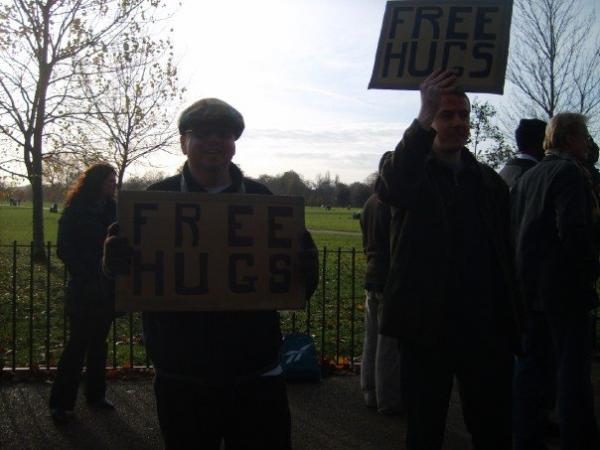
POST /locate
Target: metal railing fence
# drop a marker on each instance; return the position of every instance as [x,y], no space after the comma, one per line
[34,326]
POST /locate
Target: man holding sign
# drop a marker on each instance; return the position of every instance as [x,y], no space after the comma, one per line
[450,296]
[217,372]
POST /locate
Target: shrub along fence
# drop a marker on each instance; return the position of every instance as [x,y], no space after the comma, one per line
[34,328]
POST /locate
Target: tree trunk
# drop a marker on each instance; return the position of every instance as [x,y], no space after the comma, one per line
[39,252]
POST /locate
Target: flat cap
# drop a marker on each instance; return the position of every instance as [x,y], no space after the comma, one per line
[209,112]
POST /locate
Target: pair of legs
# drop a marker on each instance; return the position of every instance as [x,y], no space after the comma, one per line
[484,374]
[87,337]
[253,415]
[380,375]
[557,360]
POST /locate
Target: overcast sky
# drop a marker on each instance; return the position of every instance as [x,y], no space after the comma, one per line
[298,72]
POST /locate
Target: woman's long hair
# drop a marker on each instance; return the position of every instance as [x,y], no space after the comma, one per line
[87,188]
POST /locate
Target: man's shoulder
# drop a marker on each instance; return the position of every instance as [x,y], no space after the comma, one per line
[556,164]
[491,178]
[168,184]
[254,187]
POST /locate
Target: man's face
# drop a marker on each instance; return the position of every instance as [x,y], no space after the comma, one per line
[577,144]
[451,124]
[208,149]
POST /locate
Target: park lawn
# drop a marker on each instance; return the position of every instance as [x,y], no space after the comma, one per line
[16,224]
[336,219]
[334,241]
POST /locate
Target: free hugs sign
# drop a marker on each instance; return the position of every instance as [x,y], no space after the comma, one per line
[420,36]
[210,252]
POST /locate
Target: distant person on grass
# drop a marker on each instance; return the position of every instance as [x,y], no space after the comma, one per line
[380,376]
[218,375]
[89,300]
[450,297]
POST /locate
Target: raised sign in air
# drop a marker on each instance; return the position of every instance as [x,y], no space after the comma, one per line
[418,37]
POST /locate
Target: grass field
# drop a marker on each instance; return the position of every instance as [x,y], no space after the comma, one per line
[15,225]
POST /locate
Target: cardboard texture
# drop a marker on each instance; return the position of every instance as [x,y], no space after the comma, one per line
[211,252]
[421,36]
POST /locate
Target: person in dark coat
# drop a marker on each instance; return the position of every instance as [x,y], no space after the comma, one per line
[380,372]
[218,375]
[89,302]
[450,297]
[529,136]
[555,221]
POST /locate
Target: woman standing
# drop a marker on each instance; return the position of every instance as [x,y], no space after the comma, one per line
[89,302]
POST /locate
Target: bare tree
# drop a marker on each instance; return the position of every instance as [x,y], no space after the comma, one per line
[487,141]
[131,94]
[554,58]
[43,45]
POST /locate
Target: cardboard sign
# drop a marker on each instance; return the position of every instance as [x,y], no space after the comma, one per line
[209,252]
[421,36]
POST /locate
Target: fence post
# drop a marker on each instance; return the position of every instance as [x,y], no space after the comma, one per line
[353,308]
[338,305]
[64,309]
[131,339]
[48,267]
[114,343]
[14,308]
[323,279]
[31,265]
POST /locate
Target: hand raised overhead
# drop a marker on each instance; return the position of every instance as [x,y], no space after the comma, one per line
[432,88]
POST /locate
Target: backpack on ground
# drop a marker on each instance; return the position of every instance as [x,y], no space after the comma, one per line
[299,358]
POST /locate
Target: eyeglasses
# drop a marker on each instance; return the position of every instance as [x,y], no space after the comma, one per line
[204,133]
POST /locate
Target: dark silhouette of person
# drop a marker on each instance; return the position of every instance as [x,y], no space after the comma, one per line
[89,302]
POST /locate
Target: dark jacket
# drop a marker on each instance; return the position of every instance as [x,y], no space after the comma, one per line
[514,169]
[418,299]
[219,347]
[553,227]
[81,233]
[375,225]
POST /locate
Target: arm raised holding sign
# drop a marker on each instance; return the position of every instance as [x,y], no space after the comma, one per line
[450,296]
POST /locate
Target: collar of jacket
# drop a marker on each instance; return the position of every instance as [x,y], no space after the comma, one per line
[556,153]
[470,164]
[189,184]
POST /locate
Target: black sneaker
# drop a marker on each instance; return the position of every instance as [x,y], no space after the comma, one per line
[103,403]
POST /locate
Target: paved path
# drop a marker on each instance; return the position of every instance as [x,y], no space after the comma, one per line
[325,416]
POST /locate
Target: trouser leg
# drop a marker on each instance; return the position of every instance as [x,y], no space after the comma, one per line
[485,384]
[429,375]
[95,386]
[64,389]
[190,416]
[367,370]
[260,416]
[573,344]
[534,388]
[388,376]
